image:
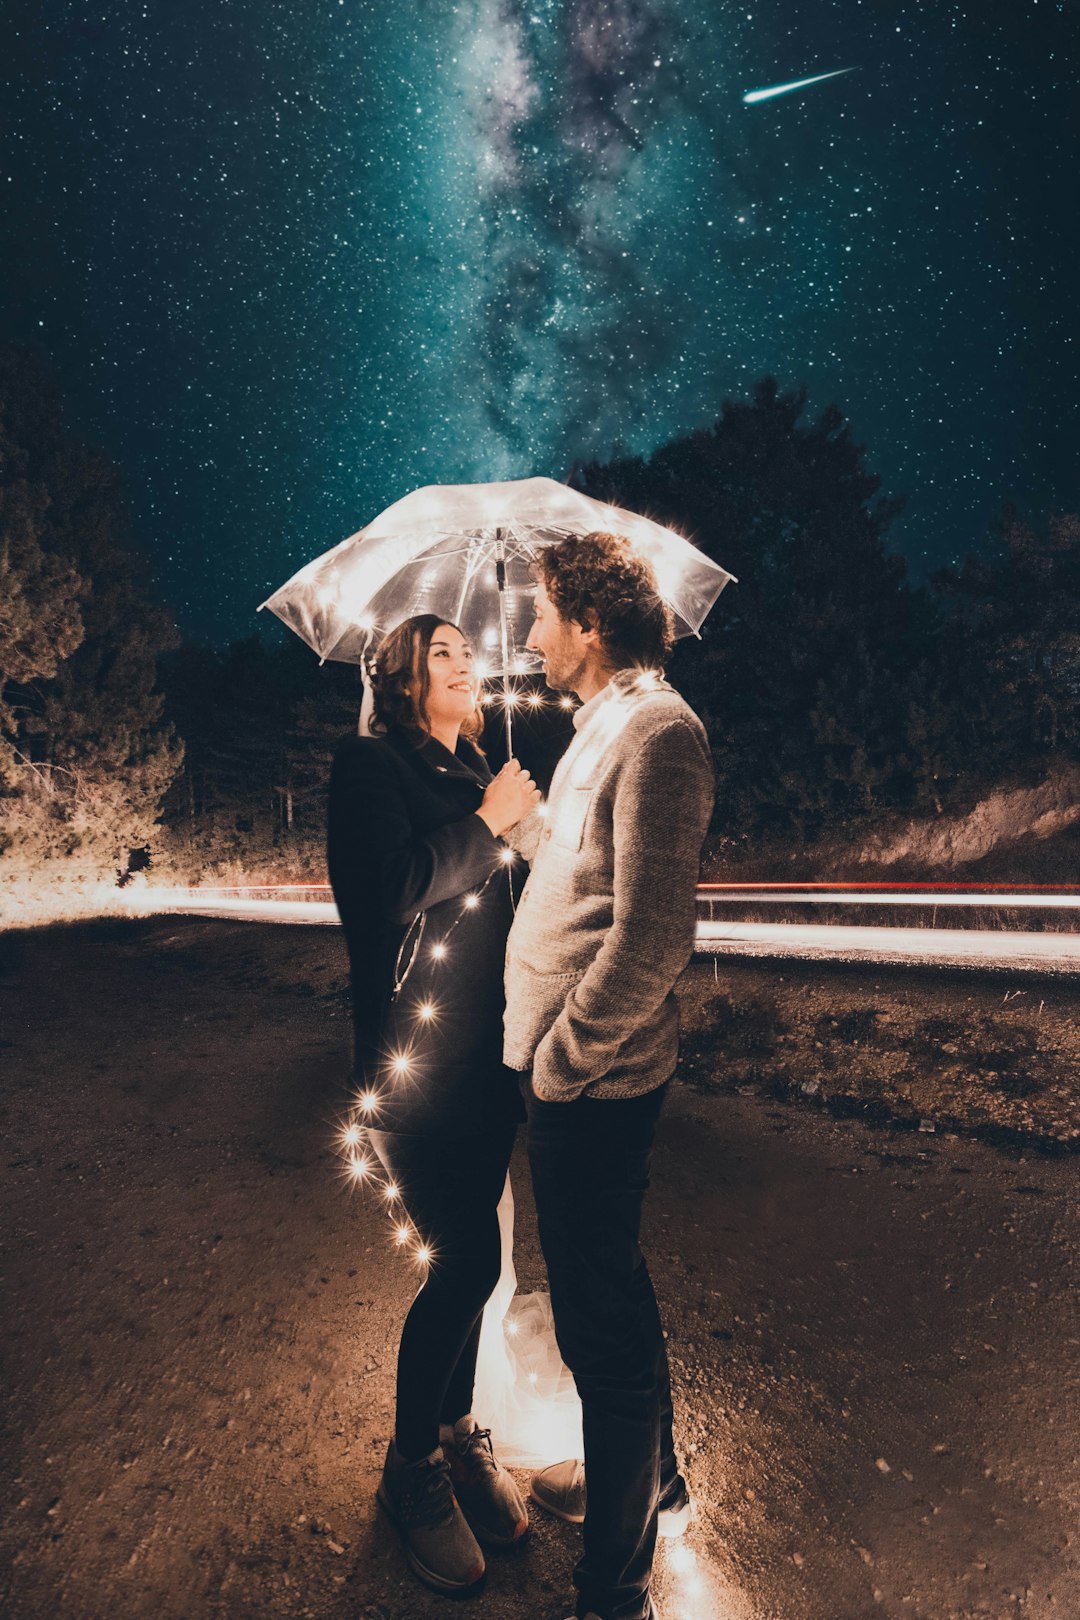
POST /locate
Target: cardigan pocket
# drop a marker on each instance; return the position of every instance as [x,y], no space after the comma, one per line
[570,813]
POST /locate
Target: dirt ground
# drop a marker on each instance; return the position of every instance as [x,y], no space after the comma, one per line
[873,1331]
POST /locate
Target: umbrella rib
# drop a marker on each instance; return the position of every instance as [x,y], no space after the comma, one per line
[470,568]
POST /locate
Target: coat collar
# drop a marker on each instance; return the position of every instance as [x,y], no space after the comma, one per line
[467,764]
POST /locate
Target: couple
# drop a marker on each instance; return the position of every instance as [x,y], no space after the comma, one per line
[459,980]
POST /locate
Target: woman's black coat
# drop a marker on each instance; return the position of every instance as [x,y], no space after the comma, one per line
[405,849]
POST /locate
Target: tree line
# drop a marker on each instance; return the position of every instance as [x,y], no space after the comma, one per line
[837,694]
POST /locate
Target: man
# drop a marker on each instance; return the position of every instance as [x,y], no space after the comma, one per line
[602,932]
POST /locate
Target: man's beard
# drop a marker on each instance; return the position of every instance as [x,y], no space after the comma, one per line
[565,677]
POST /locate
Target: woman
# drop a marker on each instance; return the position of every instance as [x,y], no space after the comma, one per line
[421,882]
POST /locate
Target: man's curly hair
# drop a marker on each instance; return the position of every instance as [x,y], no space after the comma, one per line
[599,581]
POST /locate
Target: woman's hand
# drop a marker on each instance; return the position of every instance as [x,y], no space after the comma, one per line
[508,798]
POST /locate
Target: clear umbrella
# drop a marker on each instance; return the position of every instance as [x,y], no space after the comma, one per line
[463,551]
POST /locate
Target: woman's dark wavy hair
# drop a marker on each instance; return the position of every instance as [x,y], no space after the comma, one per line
[600,581]
[400,661]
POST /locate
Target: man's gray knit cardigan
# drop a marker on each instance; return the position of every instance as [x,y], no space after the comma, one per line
[606,923]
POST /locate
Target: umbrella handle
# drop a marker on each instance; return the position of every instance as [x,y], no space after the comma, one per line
[500,580]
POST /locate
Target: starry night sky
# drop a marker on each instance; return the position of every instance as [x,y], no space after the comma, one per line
[292,260]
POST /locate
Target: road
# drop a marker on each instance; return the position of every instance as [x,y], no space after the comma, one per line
[1019,949]
[873,1337]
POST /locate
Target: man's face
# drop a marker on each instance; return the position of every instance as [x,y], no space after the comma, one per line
[561,644]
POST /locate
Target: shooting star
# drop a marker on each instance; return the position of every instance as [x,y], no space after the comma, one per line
[796,84]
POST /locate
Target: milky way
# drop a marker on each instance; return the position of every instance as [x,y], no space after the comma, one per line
[291,261]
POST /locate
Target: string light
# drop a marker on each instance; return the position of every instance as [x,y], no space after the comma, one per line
[365,1169]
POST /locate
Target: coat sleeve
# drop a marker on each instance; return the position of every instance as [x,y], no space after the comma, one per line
[378,847]
[660,815]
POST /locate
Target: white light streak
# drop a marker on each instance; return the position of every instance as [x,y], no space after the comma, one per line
[772,90]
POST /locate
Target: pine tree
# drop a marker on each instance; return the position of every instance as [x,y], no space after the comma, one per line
[803,672]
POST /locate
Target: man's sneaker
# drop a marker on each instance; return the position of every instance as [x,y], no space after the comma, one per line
[439,1545]
[675,1510]
[488,1495]
[560,1489]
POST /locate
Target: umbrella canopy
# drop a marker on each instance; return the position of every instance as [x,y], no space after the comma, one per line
[463,551]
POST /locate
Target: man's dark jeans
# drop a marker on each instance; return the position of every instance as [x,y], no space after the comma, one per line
[590,1168]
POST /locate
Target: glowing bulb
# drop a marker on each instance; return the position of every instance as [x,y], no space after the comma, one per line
[368,1101]
[471,902]
[510,699]
[534,700]
[426,1009]
[566,703]
[486,701]
[506,856]
[534,1378]
[402,1235]
[400,1064]
[423,1254]
[512,1329]
[542,811]
[438,951]
[359,1167]
[390,1192]
[351,1135]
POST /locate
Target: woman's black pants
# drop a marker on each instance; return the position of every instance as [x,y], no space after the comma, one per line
[450,1187]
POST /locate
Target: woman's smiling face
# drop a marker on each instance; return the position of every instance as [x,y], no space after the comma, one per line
[453,685]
